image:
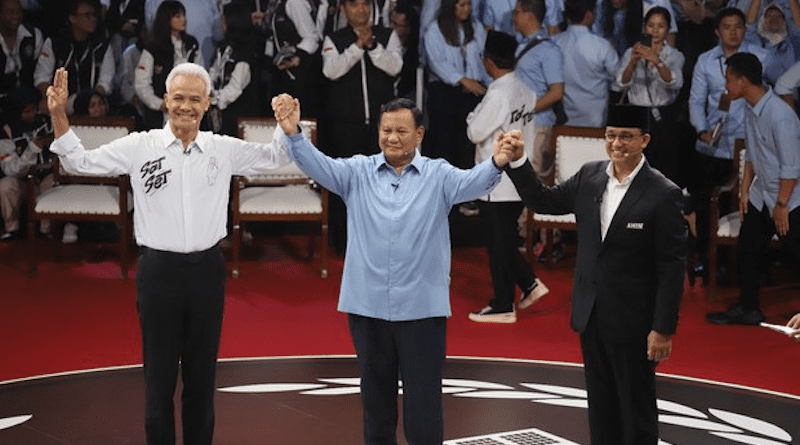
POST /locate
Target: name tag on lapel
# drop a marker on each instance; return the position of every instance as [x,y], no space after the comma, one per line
[635,226]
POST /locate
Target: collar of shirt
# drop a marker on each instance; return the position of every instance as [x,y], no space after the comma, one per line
[416,162]
[628,179]
[759,106]
[199,142]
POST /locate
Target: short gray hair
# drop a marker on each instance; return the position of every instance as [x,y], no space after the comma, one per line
[190,69]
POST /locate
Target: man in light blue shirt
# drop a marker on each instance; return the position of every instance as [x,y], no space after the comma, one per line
[540,66]
[396,279]
[769,200]
[590,65]
[708,86]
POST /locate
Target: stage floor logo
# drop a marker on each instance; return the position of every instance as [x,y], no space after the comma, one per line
[308,400]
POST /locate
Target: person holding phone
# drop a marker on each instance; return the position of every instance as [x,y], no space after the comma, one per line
[651,73]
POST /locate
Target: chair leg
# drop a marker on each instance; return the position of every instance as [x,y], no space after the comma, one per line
[32,254]
[124,240]
[236,246]
[712,272]
[323,250]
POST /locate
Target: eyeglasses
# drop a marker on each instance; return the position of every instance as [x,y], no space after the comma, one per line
[625,138]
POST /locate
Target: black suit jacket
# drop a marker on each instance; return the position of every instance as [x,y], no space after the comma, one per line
[632,280]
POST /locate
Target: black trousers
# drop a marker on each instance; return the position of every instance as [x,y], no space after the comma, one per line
[414,351]
[621,387]
[448,107]
[180,298]
[712,172]
[758,227]
[508,267]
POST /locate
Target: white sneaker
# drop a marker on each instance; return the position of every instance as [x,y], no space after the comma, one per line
[533,295]
[487,315]
[70,234]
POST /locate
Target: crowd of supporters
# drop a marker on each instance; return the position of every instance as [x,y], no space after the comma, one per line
[344,58]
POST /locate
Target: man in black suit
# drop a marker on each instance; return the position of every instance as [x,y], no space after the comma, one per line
[629,274]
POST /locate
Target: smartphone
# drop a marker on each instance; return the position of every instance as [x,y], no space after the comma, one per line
[647,40]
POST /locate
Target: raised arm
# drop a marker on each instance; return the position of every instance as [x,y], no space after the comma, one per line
[57,95]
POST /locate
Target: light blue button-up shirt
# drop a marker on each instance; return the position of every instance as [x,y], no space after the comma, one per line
[539,68]
[397,266]
[590,65]
[773,146]
[449,63]
[708,84]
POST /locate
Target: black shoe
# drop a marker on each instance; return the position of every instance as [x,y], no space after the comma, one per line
[10,235]
[736,315]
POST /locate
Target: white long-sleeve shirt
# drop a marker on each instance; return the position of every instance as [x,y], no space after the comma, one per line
[143,81]
[181,197]
[508,105]
[388,59]
[240,79]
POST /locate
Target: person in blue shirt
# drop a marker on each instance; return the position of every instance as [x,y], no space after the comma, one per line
[769,28]
[540,67]
[706,111]
[590,65]
[396,279]
[769,199]
[456,80]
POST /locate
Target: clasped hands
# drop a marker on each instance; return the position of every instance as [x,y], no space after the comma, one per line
[287,113]
[508,147]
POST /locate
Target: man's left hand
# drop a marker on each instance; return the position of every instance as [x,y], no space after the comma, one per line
[781,217]
[659,346]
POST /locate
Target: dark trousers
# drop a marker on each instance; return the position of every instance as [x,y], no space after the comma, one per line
[414,351]
[758,227]
[712,172]
[663,153]
[508,267]
[621,386]
[448,107]
[180,298]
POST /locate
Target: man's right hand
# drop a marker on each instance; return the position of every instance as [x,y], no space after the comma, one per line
[58,93]
[287,113]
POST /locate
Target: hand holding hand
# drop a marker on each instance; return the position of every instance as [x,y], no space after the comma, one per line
[506,147]
[659,346]
[58,93]
[287,113]
[472,86]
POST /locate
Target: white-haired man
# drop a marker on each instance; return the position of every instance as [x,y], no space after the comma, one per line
[180,179]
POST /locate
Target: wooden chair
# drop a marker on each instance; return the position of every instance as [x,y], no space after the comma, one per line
[573,147]
[85,198]
[286,194]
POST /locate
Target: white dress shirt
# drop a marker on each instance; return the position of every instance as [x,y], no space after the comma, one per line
[181,198]
[612,196]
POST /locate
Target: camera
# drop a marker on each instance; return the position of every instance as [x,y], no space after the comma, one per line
[647,40]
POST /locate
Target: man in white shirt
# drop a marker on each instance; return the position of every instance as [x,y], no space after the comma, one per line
[508,105]
[180,179]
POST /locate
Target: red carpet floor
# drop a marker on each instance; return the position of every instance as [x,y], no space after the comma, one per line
[79,315]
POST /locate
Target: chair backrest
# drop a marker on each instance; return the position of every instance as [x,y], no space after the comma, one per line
[260,129]
[575,146]
[95,132]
